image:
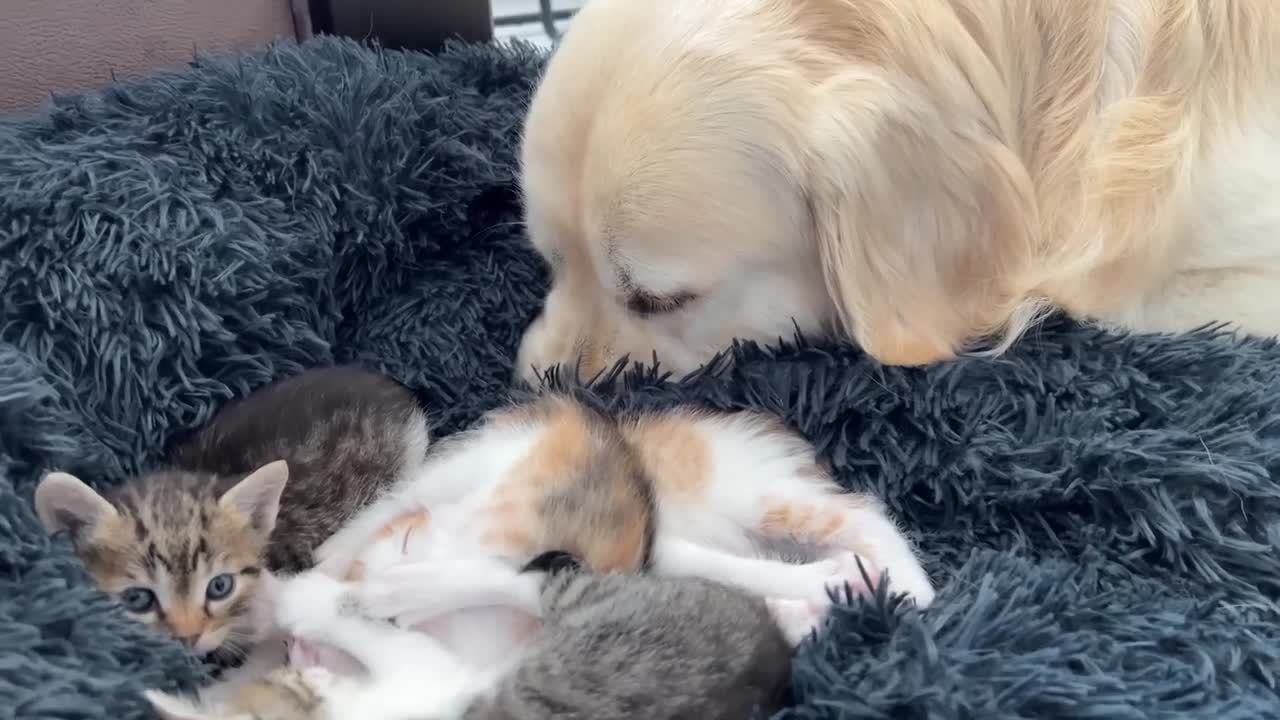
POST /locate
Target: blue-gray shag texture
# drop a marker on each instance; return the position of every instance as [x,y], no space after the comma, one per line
[1100,511]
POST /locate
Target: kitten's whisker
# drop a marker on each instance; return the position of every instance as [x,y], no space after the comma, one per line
[233,648]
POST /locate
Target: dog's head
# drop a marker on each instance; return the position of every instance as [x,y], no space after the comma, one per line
[698,172]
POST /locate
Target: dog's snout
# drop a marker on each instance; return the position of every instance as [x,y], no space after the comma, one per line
[547,343]
[568,337]
[528,372]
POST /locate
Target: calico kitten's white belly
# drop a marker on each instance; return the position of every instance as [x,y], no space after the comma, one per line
[484,637]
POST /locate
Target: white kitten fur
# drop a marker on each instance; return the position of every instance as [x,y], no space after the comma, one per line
[401,673]
[417,592]
[407,675]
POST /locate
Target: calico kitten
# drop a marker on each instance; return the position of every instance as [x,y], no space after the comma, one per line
[611,647]
[256,489]
[683,492]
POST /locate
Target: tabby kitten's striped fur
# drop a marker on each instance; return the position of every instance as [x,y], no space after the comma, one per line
[256,489]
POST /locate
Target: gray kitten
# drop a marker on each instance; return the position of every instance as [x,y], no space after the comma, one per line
[618,646]
[257,488]
[611,647]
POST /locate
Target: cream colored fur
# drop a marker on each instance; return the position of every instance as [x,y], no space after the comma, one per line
[921,175]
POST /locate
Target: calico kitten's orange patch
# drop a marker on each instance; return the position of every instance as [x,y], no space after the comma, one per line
[806,521]
[580,488]
[508,540]
[674,453]
[407,524]
[562,448]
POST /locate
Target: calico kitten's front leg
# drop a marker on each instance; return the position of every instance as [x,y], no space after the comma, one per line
[796,618]
[415,593]
[308,603]
[319,609]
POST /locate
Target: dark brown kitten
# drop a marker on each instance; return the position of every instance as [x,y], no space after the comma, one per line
[260,486]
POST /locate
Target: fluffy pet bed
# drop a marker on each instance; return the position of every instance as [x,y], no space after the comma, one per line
[1101,511]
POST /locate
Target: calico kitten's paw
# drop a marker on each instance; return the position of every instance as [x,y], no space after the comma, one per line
[425,588]
[848,569]
[303,654]
[400,589]
[903,573]
[796,618]
[311,601]
[316,678]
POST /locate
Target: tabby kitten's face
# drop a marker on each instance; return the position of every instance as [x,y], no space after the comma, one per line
[173,552]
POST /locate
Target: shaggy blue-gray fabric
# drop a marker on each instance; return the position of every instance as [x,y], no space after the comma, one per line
[1101,511]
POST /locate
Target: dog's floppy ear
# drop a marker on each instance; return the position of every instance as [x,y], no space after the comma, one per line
[924,219]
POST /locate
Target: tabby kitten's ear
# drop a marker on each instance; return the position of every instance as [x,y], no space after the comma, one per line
[63,502]
[258,495]
[175,707]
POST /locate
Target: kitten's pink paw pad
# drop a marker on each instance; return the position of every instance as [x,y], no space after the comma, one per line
[303,654]
[308,655]
[796,618]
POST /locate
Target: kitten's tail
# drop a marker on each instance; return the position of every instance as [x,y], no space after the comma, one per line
[553,562]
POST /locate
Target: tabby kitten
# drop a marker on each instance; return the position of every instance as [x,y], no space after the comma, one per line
[611,647]
[618,646]
[256,489]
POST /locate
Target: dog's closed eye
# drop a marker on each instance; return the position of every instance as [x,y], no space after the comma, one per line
[645,304]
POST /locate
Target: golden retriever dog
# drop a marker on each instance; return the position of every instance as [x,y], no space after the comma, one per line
[923,176]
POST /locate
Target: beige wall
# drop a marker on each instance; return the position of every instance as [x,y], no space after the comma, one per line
[71,45]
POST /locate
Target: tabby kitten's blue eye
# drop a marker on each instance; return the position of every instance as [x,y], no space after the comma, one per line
[137,600]
[220,587]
